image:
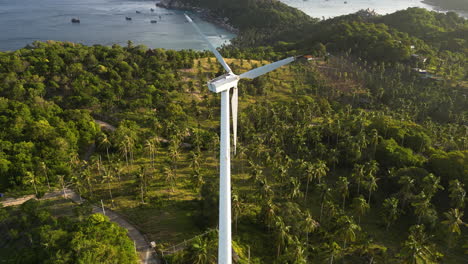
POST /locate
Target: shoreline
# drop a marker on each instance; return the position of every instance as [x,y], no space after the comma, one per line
[203,13]
[442,6]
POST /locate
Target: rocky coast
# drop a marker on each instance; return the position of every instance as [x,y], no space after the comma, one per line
[203,13]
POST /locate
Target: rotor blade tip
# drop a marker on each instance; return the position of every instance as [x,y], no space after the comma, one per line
[188,18]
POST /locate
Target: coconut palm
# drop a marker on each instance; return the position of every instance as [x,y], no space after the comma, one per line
[295,188]
[150,149]
[390,211]
[236,209]
[43,168]
[360,207]
[30,178]
[282,233]
[347,230]
[457,194]
[269,213]
[325,193]
[371,184]
[417,249]
[431,184]
[170,176]
[104,142]
[358,175]
[406,190]
[320,170]
[454,221]
[309,172]
[333,252]
[421,205]
[123,148]
[309,225]
[108,178]
[374,140]
[343,188]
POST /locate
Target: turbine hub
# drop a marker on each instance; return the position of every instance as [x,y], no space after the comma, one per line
[223,82]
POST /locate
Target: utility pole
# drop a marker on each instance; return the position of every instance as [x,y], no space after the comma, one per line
[103,210]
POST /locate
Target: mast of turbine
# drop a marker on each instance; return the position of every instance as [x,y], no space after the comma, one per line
[223,85]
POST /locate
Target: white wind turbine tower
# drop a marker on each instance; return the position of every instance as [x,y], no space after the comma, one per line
[223,84]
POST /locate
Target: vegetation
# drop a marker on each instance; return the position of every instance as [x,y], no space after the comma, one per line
[31,234]
[351,157]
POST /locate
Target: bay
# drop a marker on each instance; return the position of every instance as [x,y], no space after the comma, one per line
[102,22]
[333,8]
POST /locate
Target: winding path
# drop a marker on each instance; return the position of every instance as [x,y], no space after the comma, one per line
[143,247]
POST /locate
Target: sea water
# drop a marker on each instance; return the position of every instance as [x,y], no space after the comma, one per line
[102,22]
[333,8]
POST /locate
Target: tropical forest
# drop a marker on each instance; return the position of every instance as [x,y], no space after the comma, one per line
[356,154]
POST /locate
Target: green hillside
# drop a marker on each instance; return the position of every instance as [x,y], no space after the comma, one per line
[352,157]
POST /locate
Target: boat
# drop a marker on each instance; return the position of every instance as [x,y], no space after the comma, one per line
[138,12]
[154,21]
[128,18]
[75,20]
[152,9]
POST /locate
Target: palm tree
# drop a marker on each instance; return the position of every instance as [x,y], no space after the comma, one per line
[174,153]
[320,170]
[170,176]
[374,140]
[105,143]
[295,187]
[281,233]
[417,249]
[334,252]
[454,221]
[457,194]
[309,171]
[201,251]
[141,184]
[108,178]
[269,213]
[296,252]
[343,188]
[421,205]
[150,149]
[390,211]
[123,148]
[130,143]
[31,179]
[236,209]
[309,225]
[324,195]
[88,178]
[358,174]
[347,229]
[360,207]
[371,183]
[406,191]
[43,168]
[431,184]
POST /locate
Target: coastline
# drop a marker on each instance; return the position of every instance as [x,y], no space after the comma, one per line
[444,7]
[203,13]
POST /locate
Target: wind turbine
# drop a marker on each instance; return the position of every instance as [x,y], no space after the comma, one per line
[223,85]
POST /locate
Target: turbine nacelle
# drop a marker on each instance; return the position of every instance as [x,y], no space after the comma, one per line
[223,82]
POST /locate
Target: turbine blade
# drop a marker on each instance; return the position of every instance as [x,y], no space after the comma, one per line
[266,68]
[211,47]
[234,106]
